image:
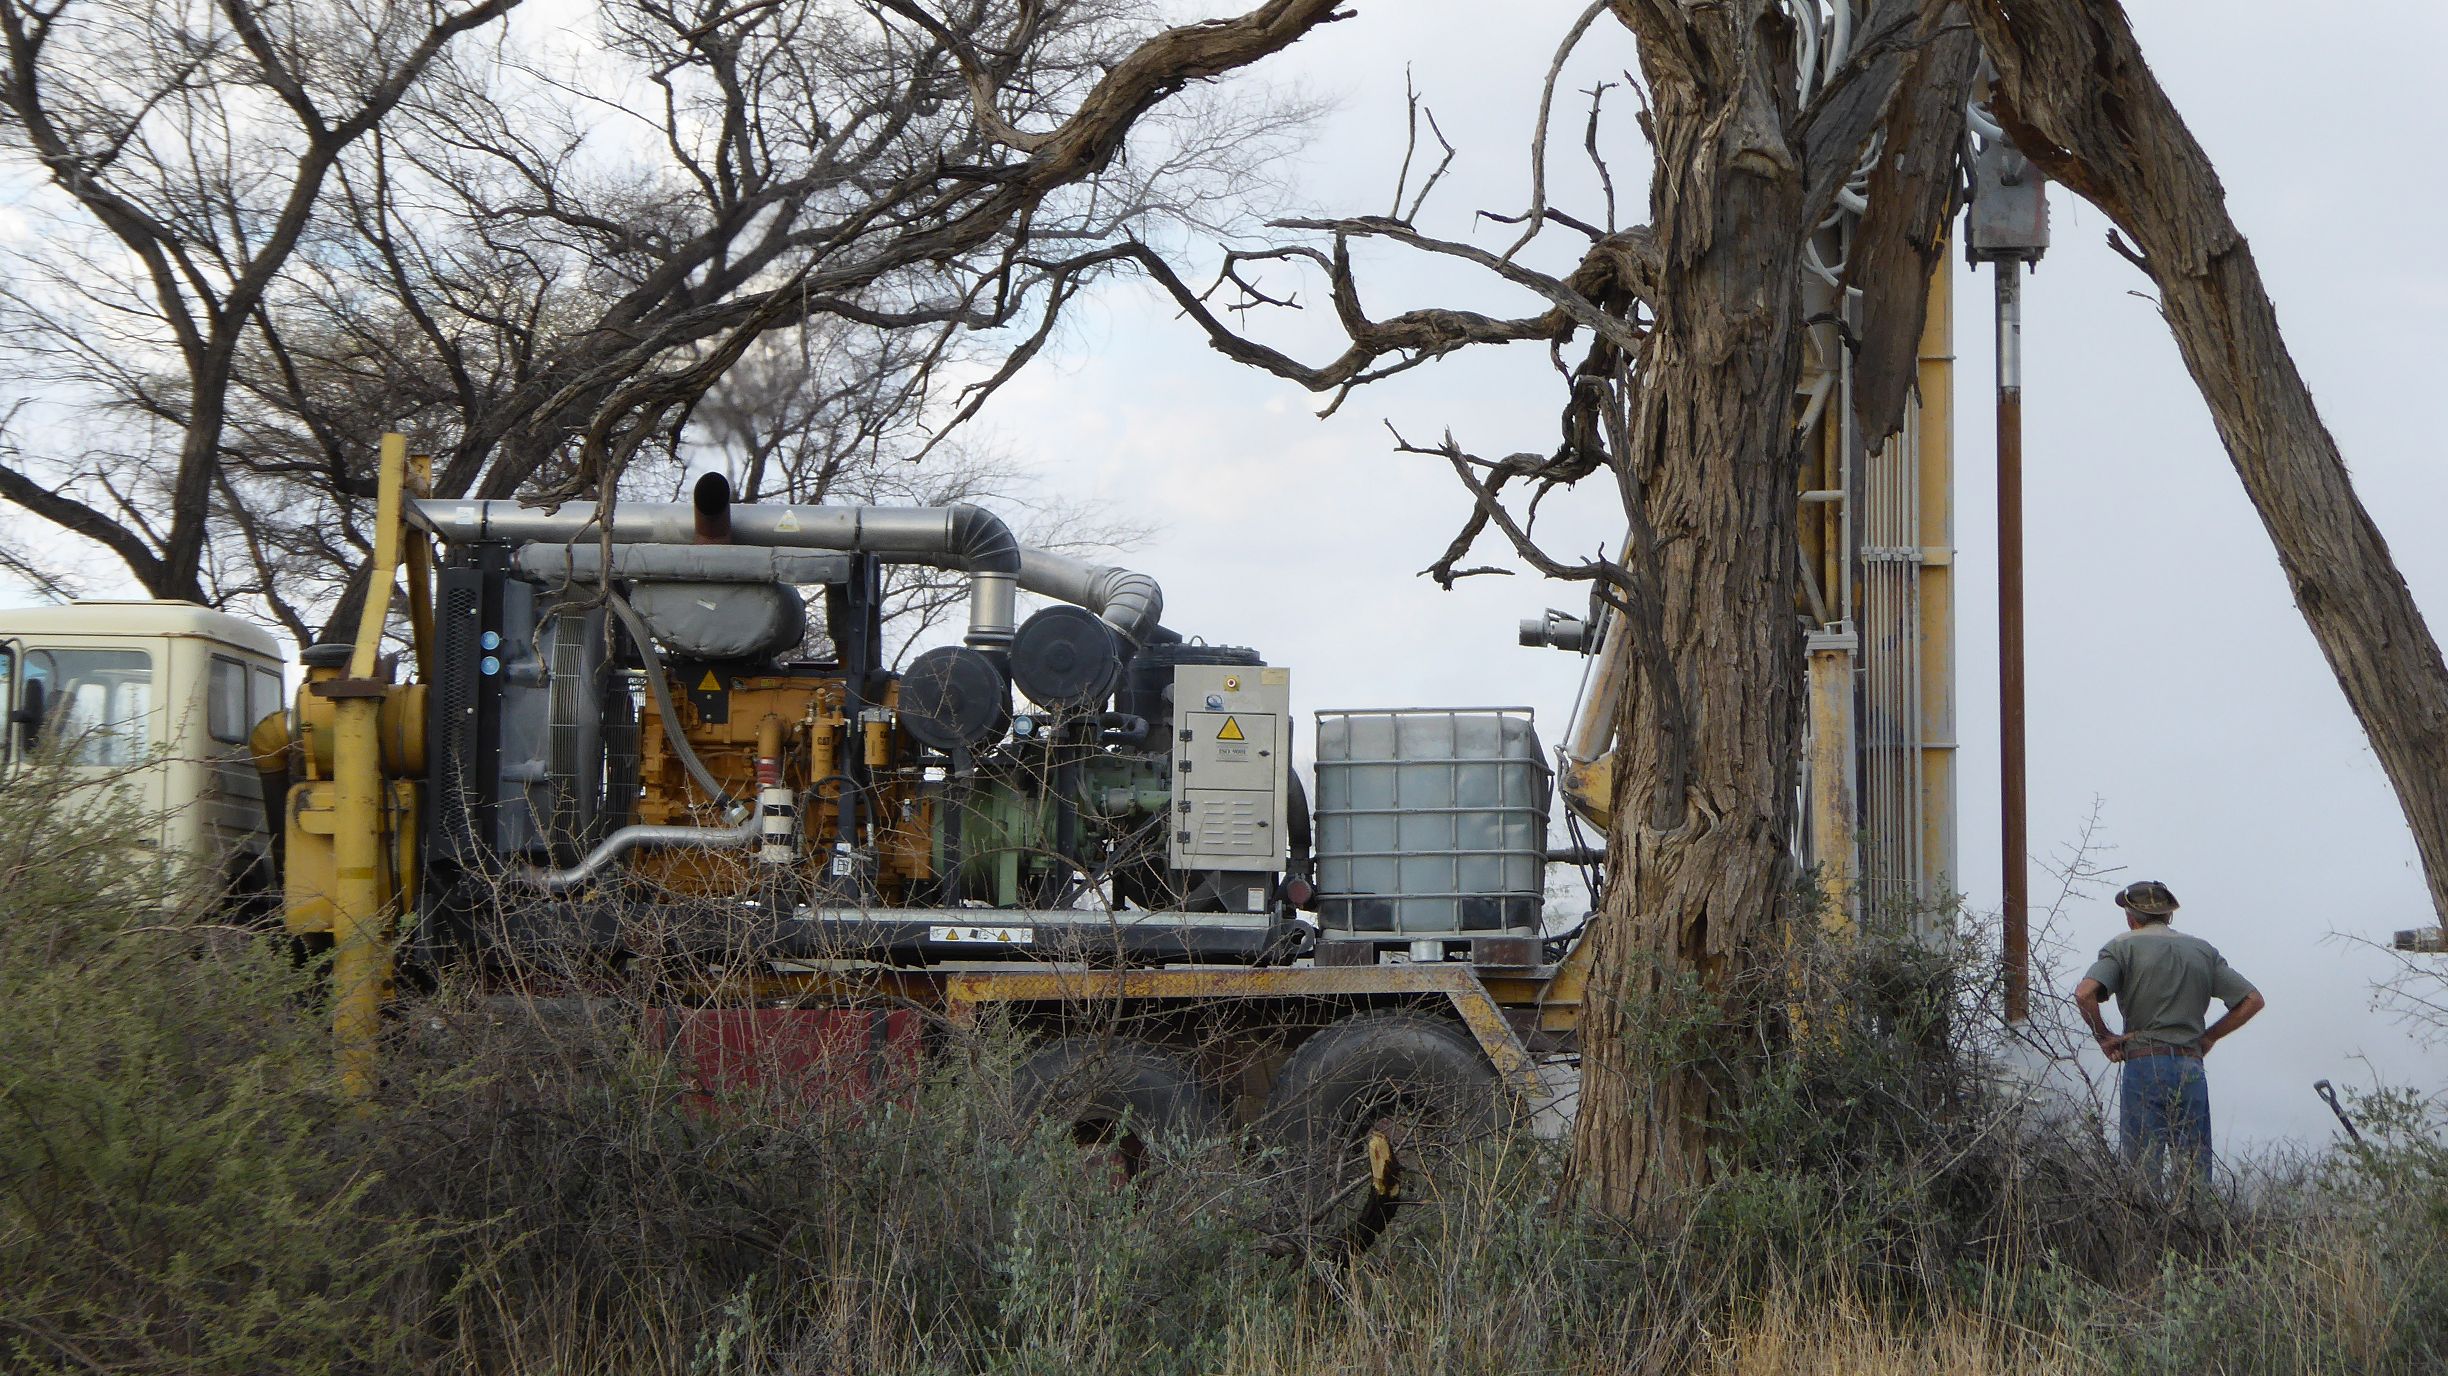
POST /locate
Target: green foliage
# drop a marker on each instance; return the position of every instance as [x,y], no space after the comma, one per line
[177,1192]
[537,1191]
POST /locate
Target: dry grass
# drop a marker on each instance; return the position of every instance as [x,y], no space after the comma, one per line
[182,1191]
[1790,1336]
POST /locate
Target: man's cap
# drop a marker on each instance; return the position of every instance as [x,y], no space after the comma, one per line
[2148,897]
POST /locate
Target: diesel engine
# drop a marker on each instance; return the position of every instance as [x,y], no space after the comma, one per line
[626,735]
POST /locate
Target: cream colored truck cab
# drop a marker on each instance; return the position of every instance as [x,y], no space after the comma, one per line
[155,699]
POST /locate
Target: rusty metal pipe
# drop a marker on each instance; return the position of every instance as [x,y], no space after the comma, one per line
[2013,821]
[711,499]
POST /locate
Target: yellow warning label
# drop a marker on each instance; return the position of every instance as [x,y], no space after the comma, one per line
[711,684]
[1231,730]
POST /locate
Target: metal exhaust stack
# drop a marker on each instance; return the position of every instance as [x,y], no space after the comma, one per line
[1129,602]
[712,499]
[963,537]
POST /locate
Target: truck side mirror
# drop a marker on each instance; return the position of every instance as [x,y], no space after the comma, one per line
[27,718]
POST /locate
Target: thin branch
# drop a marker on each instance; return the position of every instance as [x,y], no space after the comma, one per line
[1532,217]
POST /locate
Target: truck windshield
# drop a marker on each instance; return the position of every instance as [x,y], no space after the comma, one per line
[98,701]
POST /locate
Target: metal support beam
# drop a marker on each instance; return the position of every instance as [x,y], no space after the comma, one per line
[361,916]
[1932,418]
[2007,228]
[1835,809]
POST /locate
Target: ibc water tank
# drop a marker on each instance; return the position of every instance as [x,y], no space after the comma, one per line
[1431,821]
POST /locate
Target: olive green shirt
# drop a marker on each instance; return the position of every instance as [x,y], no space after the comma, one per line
[2164,980]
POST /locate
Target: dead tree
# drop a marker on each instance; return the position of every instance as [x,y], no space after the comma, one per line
[1681,398]
[2074,94]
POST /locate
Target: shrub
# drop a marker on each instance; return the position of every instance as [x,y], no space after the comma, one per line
[179,1191]
[536,1190]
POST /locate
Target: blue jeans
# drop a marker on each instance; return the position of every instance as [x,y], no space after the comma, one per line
[2163,1118]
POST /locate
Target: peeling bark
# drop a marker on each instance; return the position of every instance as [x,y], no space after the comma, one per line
[1902,237]
[1704,825]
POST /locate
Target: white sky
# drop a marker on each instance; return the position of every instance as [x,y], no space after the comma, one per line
[2171,680]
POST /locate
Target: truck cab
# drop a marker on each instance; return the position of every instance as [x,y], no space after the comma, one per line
[154,700]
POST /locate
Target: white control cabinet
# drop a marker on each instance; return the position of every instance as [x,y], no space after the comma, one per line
[1232,766]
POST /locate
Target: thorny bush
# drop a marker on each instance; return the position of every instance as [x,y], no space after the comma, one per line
[538,1189]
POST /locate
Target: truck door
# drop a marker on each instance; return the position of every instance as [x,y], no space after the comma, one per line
[233,791]
[12,685]
[100,709]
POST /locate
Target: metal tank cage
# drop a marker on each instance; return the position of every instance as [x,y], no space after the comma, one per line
[1431,821]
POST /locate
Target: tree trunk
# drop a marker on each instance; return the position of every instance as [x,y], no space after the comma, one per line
[1710,725]
[180,573]
[2077,99]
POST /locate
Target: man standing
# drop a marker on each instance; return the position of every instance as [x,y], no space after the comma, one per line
[2163,981]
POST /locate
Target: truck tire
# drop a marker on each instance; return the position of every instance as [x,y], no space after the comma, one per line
[1418,1080]
[1123,1099]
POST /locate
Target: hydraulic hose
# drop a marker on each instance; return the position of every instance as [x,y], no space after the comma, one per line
[658,683]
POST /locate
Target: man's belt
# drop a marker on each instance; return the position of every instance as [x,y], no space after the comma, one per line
[2135,1053]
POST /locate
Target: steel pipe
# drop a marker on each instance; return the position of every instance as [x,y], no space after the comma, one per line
[1129,602]
[652,539]
[584,563]
[2014,836]
[630,838]
[962,537]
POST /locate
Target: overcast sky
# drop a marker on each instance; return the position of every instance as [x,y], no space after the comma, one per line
[2173,687]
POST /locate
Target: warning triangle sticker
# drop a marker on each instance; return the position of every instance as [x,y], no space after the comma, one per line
[1231,730]
[711,684]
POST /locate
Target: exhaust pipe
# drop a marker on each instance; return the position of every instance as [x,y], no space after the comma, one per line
[613,847]
[712,500]
[966,538]
[1129,602]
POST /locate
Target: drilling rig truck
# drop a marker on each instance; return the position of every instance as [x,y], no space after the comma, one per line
[602,746]
[606,750]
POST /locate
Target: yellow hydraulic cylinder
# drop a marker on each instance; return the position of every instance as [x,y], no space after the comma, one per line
[361,938]
[361,918]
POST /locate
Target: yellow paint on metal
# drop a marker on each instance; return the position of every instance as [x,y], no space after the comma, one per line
[1589,789]
[1935,417]
[1496,1037]
[309,872]
[400,728]
[1834,812]
[969,989]
[1385,1175]
[361,908]
[420,561]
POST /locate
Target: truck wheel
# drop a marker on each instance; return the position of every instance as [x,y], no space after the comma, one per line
[1124,1100]
[1415,1082]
